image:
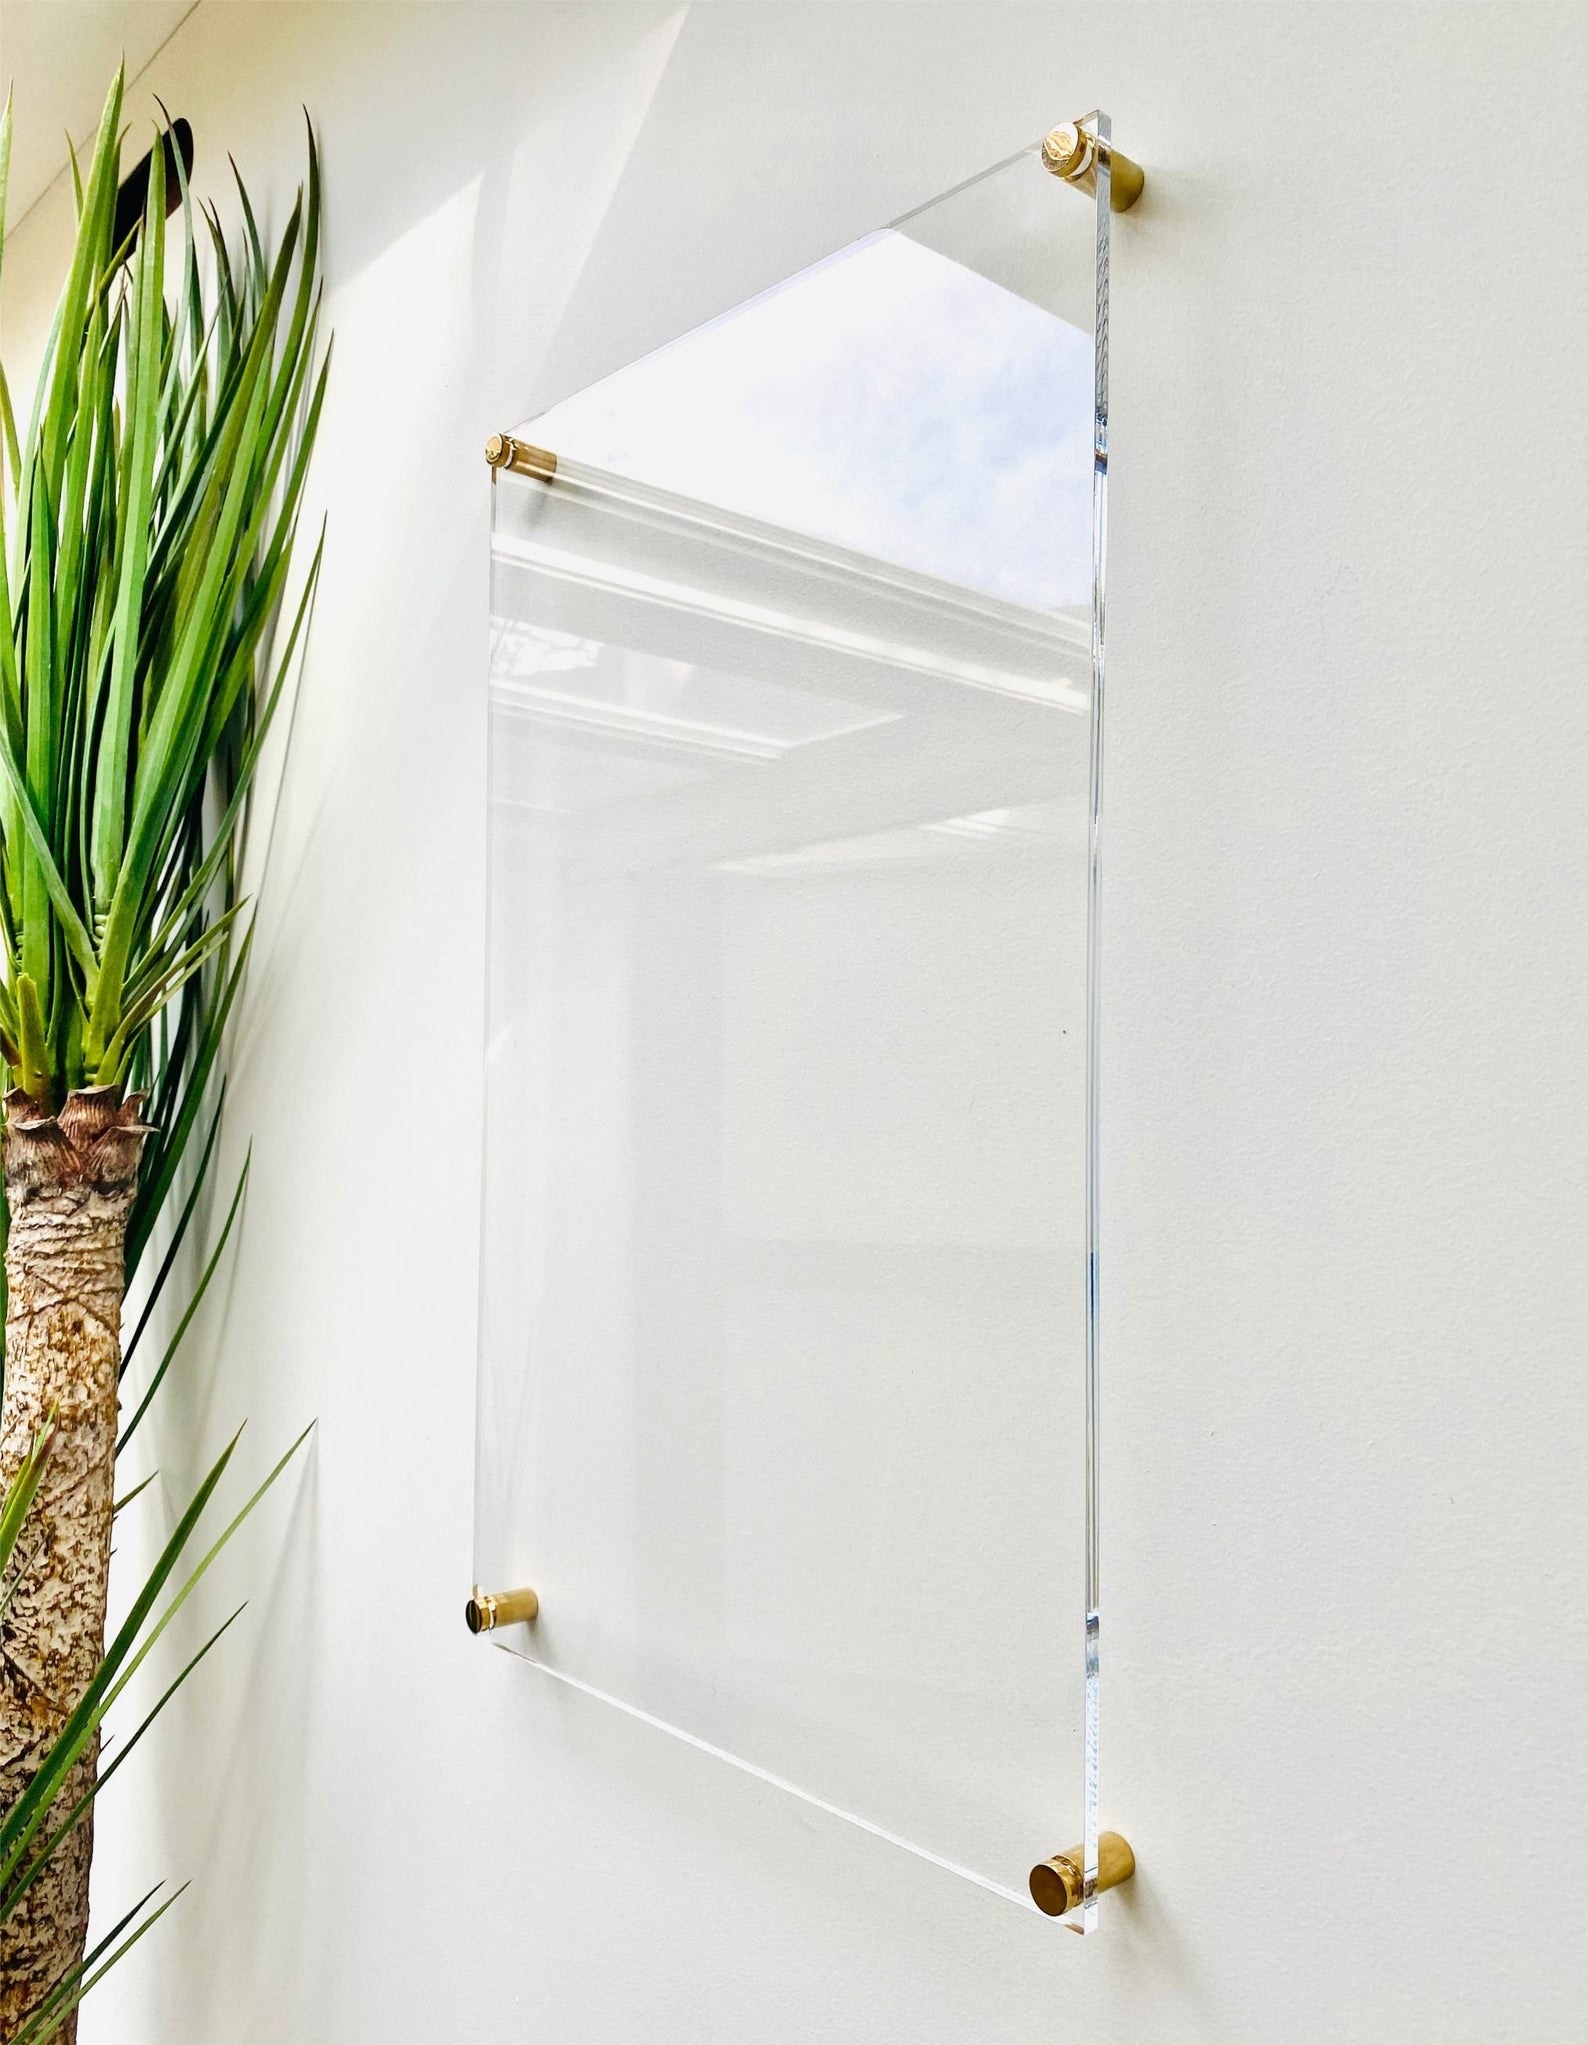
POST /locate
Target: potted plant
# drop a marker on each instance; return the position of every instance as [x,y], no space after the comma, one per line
[148,619]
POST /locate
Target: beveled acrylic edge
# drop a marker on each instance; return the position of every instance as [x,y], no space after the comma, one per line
[1086,1919]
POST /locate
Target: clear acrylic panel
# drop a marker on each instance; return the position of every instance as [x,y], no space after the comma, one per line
[788,1342]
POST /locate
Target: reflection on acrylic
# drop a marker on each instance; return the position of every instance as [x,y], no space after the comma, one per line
[891,400]
[783,1235]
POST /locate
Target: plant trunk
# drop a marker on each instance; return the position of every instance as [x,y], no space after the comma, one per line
[69,1181]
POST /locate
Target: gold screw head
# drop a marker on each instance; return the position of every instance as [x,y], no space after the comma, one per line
[498,450]
[1066,149]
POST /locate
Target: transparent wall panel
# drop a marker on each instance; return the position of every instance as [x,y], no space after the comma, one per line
[784,1402]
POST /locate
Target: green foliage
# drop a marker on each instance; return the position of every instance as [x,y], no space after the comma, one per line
[34,1827]
[19,1499]
[147,522]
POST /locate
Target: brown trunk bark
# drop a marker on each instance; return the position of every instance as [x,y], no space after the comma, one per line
[69,1181]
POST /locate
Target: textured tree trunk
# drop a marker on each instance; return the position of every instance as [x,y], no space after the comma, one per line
[69,1181]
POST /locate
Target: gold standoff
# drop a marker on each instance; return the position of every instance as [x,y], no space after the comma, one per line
[519,458]
[1070,152]
[1057,1884]
[486,1610]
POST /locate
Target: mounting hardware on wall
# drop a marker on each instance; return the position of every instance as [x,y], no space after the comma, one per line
[519,458]
[1057,1885]
[486,1610]
[1071,151]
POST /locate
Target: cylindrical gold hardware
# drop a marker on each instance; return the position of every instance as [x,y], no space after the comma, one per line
[1070,152]
[502,451]
[487,1610]
[1057,1884]
[1067,150]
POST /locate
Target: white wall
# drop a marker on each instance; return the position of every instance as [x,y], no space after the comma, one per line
[1347,1118]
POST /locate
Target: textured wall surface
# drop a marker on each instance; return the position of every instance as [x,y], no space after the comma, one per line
[1347,1116]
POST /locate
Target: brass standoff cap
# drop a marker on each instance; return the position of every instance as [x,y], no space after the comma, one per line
[1057,1885]
[1067,150]
[1070,152]
[486,1610]
[519,457]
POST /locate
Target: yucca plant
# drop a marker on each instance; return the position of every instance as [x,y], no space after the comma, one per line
[147,524]
[43,1822]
